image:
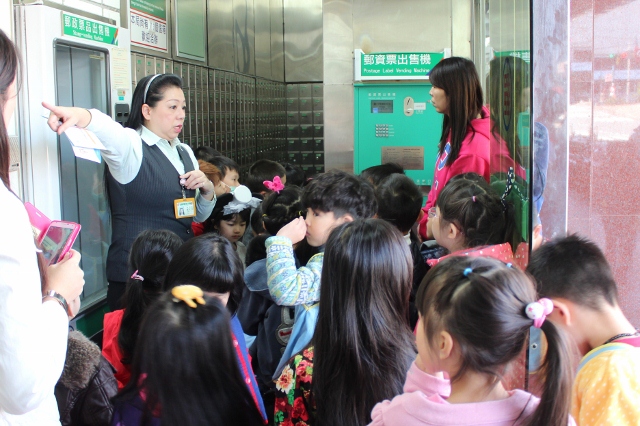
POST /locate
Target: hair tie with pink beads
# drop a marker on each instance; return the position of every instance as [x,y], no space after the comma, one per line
[538,311]
[137,277]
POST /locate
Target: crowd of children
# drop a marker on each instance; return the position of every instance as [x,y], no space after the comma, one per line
[311,300]
[335,314]
[314,301]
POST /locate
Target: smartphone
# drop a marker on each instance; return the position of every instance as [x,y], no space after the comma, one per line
[39,222]
[58,240]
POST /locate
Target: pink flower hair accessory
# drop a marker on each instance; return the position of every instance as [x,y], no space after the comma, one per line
[276,185]
[538,311]
[135,276]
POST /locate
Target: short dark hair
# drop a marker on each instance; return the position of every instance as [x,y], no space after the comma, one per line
[471,204]
[376,174]
[187,365]
[481,303]
[155,93]
[399,201]
[295,175]
[151,252]
[206,153]
[211,263]
[225,164]
[281,208]
[256,249]
[260,171]
[574,268]
[340,193]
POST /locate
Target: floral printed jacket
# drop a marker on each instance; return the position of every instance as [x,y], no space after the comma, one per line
[294,401]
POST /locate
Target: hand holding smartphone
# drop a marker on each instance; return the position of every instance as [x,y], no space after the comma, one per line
[58,239]
[55,238]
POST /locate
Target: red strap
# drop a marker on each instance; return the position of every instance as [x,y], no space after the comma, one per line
[633,341]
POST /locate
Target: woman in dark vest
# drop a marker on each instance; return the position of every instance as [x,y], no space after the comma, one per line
[153,179]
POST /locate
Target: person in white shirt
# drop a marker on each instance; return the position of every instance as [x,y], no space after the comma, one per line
[33,327]
[151,184]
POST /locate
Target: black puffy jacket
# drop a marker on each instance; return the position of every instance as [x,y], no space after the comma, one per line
[86,386]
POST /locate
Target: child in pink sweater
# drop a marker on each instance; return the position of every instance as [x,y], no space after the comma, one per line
[475,315]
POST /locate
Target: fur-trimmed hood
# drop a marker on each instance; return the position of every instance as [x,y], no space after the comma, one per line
[83,359]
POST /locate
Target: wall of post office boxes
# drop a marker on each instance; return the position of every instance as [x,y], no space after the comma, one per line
[243,117]
[305,126]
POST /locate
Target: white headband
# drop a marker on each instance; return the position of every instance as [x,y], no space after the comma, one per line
[146,89]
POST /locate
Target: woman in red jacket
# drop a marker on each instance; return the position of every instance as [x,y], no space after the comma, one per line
[464,144]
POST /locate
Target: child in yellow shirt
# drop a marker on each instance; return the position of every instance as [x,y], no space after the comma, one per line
[575,275]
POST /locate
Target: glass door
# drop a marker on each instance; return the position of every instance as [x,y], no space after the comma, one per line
[82,81]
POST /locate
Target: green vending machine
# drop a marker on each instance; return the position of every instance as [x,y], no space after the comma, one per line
[394,119]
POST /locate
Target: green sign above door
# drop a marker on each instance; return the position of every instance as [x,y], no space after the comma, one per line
[89,29]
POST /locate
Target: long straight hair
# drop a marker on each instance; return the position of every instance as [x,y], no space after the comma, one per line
[363,346]
[185,368]
[9,63]
[459,80]
[481,302]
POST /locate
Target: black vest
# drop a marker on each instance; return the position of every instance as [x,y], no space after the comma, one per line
[145,203]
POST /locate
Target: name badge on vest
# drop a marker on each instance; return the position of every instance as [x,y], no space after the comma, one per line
[184,207]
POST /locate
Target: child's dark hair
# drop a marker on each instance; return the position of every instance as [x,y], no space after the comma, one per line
[187,367]
[376,174]
[150,255]
[399,201]
[470,203]
[211,263]
[295,175]
[225,165]
[256,221]
[155,93]
[281,208]
[481,303]
[363,345]
[260,171]
[575,269]
[217,215]
[340,193]
[256,249]
[206,153]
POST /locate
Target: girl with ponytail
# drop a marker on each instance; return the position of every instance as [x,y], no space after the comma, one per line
[471,219]
[475,315]
[150,255]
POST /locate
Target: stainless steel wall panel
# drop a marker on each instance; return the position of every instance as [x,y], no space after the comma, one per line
[338,119]
[388,26]
[244,36]
[303,40]
[277,39]
[262,13]
[220,34]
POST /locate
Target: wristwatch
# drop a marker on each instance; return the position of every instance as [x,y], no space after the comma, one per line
[59,298]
